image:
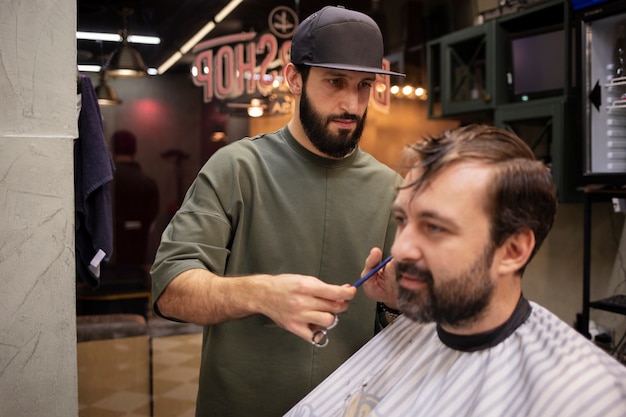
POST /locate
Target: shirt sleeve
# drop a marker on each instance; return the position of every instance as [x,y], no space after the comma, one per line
[199,234]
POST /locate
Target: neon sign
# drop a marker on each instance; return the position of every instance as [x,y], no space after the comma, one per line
[231,71]
[231,66]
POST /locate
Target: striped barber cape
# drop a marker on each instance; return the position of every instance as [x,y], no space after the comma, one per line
[543,368]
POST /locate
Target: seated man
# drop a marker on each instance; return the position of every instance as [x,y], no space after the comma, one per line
[474,208]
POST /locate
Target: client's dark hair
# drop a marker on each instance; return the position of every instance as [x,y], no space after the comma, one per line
[522,194]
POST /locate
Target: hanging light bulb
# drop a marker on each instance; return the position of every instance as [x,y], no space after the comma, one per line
[255,109]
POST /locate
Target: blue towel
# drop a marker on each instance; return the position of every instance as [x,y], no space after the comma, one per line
[93,172]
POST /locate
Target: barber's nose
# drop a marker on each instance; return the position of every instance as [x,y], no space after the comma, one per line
[350,101]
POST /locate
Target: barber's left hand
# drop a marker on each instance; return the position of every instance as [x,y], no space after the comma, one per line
[382,286]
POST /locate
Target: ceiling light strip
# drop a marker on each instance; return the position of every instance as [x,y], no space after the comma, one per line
[237,37]
[169,62]
[144,40]
[88,68]
[227,10]
[98,68]
[199,35]
[114,37]
[99,36]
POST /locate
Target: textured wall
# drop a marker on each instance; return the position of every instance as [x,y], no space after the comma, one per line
[38,115]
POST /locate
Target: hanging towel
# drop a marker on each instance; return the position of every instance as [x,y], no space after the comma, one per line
[93,172]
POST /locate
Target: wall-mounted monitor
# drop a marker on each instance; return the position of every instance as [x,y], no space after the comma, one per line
[536,64]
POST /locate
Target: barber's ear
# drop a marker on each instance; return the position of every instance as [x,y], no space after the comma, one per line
[516,251]
[294,79]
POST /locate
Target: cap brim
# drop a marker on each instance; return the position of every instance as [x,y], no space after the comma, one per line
[354,68]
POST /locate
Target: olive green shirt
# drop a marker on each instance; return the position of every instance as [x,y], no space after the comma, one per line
[268,205]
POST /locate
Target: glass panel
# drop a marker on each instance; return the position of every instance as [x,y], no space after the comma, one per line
[606,147]
[467,70]
[537,133]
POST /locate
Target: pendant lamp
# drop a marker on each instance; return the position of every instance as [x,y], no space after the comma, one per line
[106,94]
[126,61]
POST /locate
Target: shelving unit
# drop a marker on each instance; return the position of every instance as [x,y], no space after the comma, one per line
[543,125]
[620,85]
[603,93]
[469,80]
[462,69]
[593,195]
[467,69]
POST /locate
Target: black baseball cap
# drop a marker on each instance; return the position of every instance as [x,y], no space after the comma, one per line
[335,37]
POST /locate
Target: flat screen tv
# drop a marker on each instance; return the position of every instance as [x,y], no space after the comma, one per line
[535,64]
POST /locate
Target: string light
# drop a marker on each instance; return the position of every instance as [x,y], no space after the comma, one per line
[409,92]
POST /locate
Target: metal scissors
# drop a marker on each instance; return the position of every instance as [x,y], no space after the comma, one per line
[320,337]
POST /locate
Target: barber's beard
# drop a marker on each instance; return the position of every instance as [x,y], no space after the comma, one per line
[452,301]
[316,126]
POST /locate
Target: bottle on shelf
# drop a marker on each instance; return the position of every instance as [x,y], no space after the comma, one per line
[620,44]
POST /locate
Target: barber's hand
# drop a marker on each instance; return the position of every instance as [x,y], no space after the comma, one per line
[382,286]
[303,304]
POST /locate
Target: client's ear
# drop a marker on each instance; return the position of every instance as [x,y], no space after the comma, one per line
[515,251]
